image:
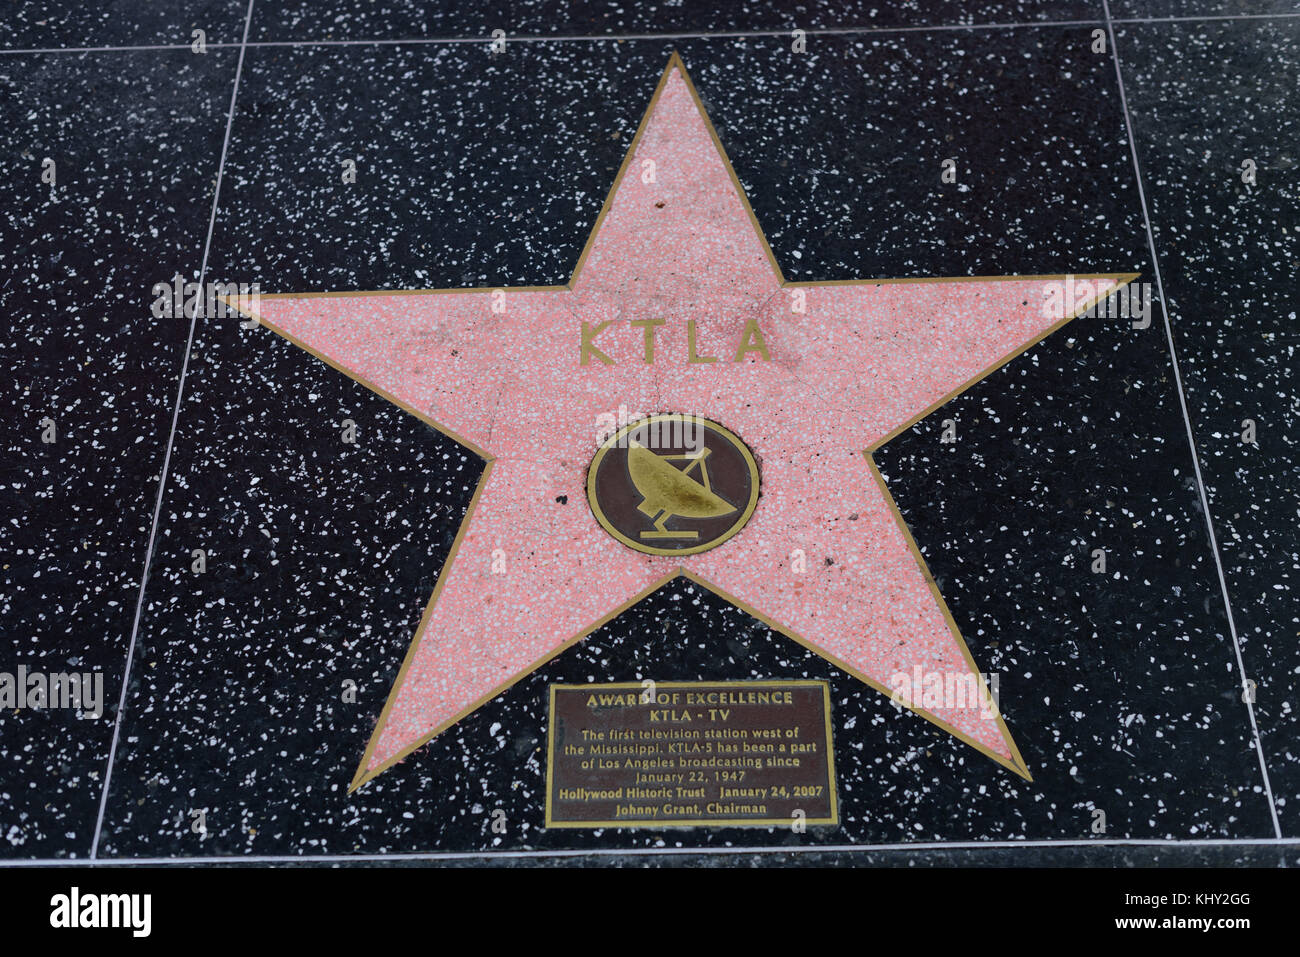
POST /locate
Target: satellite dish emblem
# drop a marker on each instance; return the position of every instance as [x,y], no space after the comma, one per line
[667,491]
[673,484]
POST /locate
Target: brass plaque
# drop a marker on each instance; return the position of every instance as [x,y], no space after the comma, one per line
[700,754]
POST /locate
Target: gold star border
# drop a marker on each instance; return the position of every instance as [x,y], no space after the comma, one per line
[1016,764]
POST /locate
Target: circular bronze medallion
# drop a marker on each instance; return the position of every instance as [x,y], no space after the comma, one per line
[672,485]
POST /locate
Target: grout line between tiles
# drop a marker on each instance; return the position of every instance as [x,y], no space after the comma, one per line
[905,847]
[167,455]
[1187,421]
[689,35]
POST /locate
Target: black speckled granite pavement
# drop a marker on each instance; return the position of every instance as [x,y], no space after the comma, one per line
[1124,691]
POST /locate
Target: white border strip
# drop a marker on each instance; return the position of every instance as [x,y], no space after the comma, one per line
[1109,843]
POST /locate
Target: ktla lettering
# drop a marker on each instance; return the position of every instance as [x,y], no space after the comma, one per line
[750,342]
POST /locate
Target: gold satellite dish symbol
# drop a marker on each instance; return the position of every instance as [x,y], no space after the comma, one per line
[667,490]
[672,484]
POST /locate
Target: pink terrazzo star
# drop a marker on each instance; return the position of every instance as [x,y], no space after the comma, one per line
[851,365]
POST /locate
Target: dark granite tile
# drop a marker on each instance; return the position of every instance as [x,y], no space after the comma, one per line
[34,24]
[366,19]
[843,174]
[274,784]
[1204,98]
[1141,9]
[469,171]
[840,153]
[320,559]
[135,139]
[1119,686]
[1117,689]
